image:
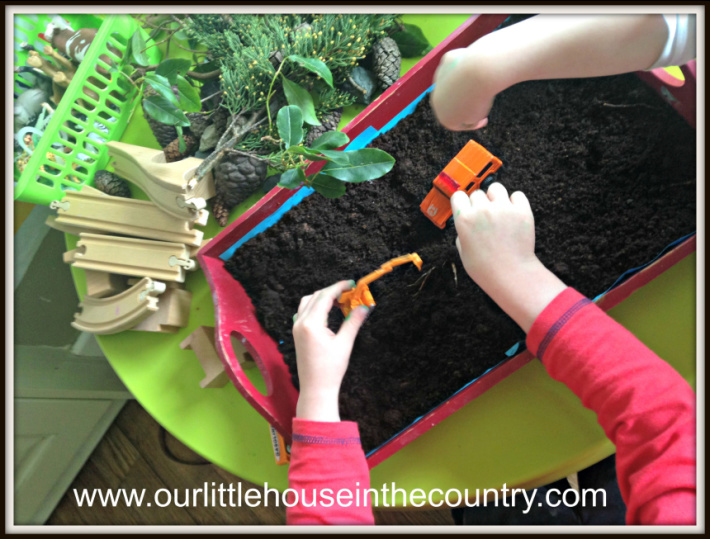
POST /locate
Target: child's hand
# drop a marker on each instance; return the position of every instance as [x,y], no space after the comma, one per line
[462,95]
[322,356]
[496,241]
[495,233]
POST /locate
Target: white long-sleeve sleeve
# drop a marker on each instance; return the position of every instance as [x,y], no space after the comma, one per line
[681,44]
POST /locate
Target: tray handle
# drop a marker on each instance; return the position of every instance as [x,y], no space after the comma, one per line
[235,316]
[680,94]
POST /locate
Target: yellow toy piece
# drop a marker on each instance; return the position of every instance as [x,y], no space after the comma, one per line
[361,295]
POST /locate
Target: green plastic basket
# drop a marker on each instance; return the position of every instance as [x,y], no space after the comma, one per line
[77,133]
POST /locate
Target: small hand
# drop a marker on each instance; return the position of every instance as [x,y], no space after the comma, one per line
[460,100]
[496,241]
[321,355]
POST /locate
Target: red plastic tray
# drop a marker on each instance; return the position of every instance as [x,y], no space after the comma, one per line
[235,314]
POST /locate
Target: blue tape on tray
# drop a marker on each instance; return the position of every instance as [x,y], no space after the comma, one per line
[358,143]
[626,275]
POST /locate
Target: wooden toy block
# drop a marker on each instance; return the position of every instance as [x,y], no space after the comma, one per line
[105,316]
[131,256]
[168,185]
[201,341]
[100,284]
[95,211]
[173,313]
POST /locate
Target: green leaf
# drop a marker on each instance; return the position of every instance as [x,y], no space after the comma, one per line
[123,77]
[171,68]
[182,147]
[164,111]
[315,66]
[328,186]
[336,156]
[292,178]
[137,46]
[411,41]
[206,67]
[363,165]
[330,140]
[188,96]
[295,95]
[307,153]
[161,85]
[290,123]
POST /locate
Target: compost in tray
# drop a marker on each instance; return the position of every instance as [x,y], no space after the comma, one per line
[609,170]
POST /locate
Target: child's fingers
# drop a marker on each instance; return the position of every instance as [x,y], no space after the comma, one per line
[348,331]
[324,300]
[302,305]
[497,193]
[459,202]
[474,126]
[479,199]
[519,200]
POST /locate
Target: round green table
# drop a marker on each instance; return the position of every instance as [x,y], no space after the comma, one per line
[525,432]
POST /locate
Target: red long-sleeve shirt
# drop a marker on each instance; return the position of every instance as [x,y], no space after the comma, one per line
[644,406]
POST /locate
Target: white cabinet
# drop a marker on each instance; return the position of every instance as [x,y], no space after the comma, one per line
[65,394]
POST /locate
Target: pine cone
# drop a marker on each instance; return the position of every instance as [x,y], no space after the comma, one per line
[329,122]
[198,123]
[107,182]
[220,119]
[387,61]
[237,177]
[220,211]
[164,133]
[172,151]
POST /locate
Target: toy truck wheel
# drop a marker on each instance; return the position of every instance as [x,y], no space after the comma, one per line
[485,184]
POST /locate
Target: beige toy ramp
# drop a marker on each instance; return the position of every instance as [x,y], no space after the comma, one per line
[168,185]
[105,316]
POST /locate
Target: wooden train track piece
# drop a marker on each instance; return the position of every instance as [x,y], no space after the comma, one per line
[95,211]
[63,227]
[101,284]
[160,260]
[105,316]
[173,313]
[168,185]
[201,341]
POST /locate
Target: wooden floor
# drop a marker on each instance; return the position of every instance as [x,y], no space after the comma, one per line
[131,456]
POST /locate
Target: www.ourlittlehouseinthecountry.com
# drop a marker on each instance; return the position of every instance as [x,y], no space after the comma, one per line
[213,495]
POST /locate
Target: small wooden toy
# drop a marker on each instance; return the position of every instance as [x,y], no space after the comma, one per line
[361,295]
[95,211]
[168,185]
[465,172]
[100,284]
[173,313]
[105,316]
[131,256]
[201,341]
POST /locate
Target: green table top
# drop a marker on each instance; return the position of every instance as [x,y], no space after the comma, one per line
[525,432]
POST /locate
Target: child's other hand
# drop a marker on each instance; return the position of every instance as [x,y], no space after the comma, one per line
[496,241]
[495,232]
[461,98]
[322,356]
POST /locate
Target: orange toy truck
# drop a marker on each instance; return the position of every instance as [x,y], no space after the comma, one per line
[466,172]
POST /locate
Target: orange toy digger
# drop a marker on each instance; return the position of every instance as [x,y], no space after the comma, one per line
[466,172]
[361,295]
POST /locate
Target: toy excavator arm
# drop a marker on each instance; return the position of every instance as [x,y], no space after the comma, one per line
[361,295]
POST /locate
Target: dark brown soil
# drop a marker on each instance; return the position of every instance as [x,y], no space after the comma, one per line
[609,169]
